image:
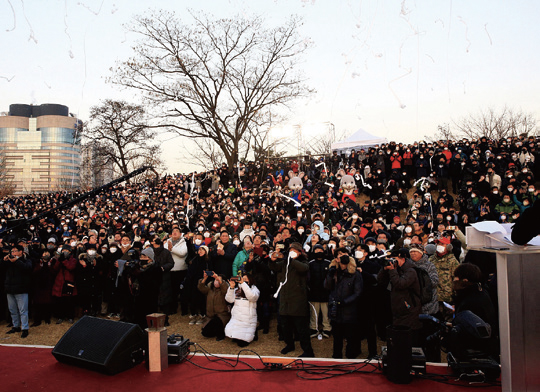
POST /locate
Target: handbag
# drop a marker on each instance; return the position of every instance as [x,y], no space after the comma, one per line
[69,287]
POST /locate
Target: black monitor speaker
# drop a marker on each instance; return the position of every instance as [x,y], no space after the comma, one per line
[102,345]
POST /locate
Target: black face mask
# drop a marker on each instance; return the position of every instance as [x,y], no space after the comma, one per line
[319,255]
[344,259]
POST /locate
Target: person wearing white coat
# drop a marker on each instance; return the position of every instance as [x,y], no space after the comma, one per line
[243,324]
[177,245]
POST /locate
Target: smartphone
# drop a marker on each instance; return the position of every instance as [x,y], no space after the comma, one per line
[280,246]
[209,273]
[235,279]
[452,228]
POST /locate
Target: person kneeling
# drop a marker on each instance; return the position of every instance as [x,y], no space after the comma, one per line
[217,309]
[243,322]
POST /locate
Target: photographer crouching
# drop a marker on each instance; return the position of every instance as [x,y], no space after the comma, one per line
[402,281]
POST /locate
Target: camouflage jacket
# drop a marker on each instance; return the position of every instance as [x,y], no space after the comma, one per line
[446,266]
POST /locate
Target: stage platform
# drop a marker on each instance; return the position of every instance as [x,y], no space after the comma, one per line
[29,368]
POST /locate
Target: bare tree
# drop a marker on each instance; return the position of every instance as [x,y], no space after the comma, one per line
[495,124]
[322,144]
[444,133]
[121,136]
[6,180]
[216,79]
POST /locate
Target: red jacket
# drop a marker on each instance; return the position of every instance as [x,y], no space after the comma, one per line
[65,271]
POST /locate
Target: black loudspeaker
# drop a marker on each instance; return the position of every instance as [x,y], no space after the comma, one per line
[105,346]
[399,340]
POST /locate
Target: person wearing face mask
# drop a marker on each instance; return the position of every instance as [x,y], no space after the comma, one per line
[318,295]
[197,264]
[217,309]
[446,263]
[402,279]
[88,275]
[367,303]
[178,247]
[506,209]
[109,278]
[64,295]
[42,278]
[163,259]
[17,285]
[345,285]
[292,270]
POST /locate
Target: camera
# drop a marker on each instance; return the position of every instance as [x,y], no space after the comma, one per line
[333,309]
[209,273]
[389,261]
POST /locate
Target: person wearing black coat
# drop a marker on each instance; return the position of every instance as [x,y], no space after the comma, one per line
[345,285]
[261,274]
[42,282]
[404,293]
[165,261]
[318,294]
[17,286]
[145,282]
[222,256]
[88,277]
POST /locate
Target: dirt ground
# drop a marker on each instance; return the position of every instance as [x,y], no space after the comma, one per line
[267,345]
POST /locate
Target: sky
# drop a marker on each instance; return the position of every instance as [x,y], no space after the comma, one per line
[396,69]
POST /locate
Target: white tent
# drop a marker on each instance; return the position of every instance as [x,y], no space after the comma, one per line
[358,140]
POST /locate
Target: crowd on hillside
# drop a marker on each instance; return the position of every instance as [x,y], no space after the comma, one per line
[329,246]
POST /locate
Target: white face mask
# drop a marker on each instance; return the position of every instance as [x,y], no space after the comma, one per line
[91,252]
[73,244]
[407,241]
[358,254]
[372,248]
[198,242]
[441,249]
[293,255]
[300,231]
[236,242]
[125,245]
[206,235]
[355,216]
[113,250]
[331,246]
[408,230]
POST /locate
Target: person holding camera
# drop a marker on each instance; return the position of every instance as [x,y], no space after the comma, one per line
[400,276]
[17,286]
[345,284]
[217,309]
[243,324]
[144,276]
[292,274]
[64,288]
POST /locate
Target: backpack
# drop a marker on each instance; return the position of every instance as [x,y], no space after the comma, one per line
[426,287]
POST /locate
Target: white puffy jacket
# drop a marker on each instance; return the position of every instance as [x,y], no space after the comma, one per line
[243,314]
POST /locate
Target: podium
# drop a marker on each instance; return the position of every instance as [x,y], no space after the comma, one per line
[518,284]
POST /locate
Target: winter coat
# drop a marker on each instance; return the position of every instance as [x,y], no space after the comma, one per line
[432,306]
[222,265]
[293,295]
[243,321]
[446,265]
[318,269]
[239,262]
[320,231]
[89,278]
[163,259]
[179,253]
[65,271]
[18,275]
[42,280]
[404,286]
[345,288]
[215,301]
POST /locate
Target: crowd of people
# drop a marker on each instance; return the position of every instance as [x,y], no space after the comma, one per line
[236,247]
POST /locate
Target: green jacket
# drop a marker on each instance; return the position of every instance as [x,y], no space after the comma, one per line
[446,265]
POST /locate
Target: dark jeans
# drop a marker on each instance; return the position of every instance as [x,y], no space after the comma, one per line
[177,277]
[301,324]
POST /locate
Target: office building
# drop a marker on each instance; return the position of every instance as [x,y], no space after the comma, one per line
[41,145]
